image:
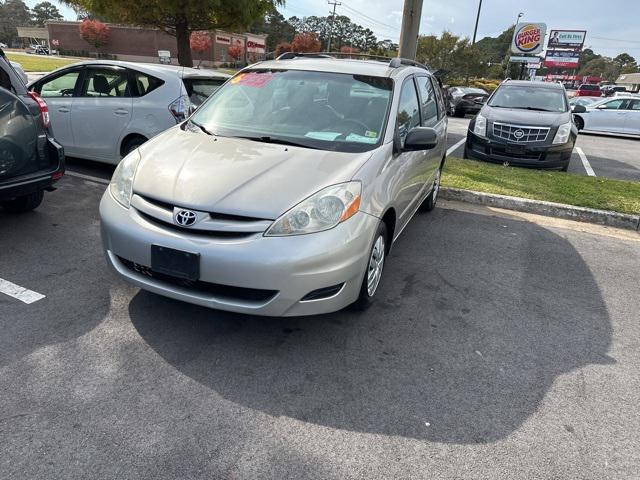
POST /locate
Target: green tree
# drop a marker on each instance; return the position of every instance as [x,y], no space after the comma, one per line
[180,17]
[276,27]
[44,11]
[451,53]
[626,63]
[13,13]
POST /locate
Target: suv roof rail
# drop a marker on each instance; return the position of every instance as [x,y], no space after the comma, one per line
[398,62]
[291,55]
[394,62]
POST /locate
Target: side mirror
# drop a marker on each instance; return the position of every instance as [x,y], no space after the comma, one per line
[421,138]
[579,109]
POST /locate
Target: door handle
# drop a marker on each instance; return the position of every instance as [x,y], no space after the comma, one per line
[63,110]
[121,111]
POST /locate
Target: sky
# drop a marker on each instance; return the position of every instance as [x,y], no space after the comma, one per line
[613,26]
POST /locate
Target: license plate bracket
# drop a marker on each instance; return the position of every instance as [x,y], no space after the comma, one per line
[177,263]
[515,149]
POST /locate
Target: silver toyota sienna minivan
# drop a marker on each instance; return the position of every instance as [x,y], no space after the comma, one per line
[283,193]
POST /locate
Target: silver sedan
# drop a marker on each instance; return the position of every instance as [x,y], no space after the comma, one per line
[284,192]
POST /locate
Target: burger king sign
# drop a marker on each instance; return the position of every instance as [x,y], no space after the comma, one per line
[528,38]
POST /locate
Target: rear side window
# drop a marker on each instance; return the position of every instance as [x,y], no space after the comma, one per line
[105,82]
[145,83]
[428,101]
[62,85]
[199,89]
[634,105]
[589,87]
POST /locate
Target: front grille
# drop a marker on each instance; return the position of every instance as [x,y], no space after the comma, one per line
[213,215]
[519,134]
[215,289]
[194,231]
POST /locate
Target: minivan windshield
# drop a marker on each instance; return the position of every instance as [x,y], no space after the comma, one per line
[322,110]
[529,98]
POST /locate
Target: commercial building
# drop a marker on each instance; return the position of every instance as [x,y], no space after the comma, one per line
[141,44]
[630,80]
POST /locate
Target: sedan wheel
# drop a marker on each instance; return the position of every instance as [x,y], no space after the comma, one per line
[376,263]
[373,272]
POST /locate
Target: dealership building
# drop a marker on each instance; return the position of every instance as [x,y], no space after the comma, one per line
[141,44]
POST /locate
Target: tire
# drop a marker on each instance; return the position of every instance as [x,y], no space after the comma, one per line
[451,111]
[131,144]
[377,255]
[565,168]
[459,113]
[579,123]
[465,154]
[429,203]
[26,203]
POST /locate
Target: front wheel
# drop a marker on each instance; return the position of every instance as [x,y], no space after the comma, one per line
[579,123]
[25,203]
[373,272]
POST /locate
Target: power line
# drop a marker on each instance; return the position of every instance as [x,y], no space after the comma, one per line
[615,39]
[369,18]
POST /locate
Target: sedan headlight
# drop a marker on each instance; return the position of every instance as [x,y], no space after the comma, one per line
[121,184]
[562,135]
[480,127]
[321,211]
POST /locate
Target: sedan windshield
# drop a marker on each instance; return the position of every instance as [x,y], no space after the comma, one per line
[529,98]
[328,111]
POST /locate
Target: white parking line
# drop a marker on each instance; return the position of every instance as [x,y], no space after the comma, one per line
[87,177]
[585,162]
[18,292]
[453,148]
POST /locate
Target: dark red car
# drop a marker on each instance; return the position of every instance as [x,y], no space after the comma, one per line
[586,90]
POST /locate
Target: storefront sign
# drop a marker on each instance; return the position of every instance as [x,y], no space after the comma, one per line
[561,59]
[528,38]
[567,39]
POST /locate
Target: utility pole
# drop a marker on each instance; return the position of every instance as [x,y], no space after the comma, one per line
[410,29]
[333,16]
[475,30]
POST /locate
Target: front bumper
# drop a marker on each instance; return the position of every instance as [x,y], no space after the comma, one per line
[292,267]
[527,155]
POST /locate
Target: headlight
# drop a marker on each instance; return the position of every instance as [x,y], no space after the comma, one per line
[122,181]
[321,211]
[562,135]
[480,127]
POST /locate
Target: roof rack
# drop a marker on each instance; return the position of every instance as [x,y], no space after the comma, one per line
[395,62]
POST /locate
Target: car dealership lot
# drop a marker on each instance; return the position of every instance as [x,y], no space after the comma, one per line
[604,155]
[502,346]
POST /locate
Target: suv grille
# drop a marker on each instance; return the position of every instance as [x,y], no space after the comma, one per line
[520,134]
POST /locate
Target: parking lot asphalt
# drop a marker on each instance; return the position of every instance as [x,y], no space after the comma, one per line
[603,155]
[502,346]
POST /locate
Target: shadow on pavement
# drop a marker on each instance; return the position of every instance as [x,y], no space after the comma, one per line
[476,318]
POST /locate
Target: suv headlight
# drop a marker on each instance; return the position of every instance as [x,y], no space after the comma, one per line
[480,127]
[562,135]
[321,211]
[121,185]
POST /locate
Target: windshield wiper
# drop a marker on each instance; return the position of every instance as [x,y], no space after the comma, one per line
[279,141]
[536,109]
[203,128]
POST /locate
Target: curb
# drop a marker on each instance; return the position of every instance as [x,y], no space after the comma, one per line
[550,209]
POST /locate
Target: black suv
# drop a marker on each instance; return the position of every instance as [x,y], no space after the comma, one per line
[529,124]
[30,159]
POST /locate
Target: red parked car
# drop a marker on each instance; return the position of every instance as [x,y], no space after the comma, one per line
[586,90]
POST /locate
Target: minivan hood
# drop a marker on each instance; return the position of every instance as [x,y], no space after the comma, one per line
[525,117]
[237,176]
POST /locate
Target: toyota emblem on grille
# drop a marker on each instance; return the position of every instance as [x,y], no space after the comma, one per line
[185,218]
[518,134]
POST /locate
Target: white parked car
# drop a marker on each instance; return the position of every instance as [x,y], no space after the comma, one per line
[613,115]
[102,110]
